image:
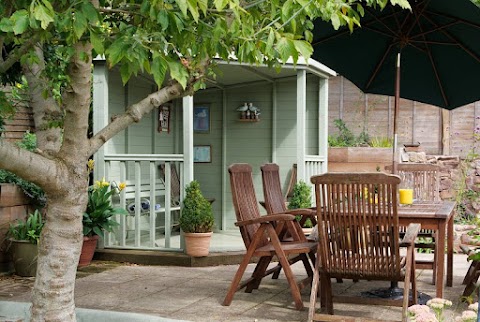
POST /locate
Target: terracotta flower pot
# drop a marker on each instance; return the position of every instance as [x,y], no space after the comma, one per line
[88,249]
[197,244]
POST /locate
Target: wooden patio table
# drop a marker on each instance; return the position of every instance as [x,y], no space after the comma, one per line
[439,217]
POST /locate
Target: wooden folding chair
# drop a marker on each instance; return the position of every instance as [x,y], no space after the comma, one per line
[359,237]
[274,200]
[261,237]
[424,179]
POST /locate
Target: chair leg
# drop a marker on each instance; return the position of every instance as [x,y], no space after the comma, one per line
[258,273]
[306,264]
[409,278]
[243,266]
[326,293]
[286,268]
[314,292]
[276,274]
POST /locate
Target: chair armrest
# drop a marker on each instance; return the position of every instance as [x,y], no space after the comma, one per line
[302,212]
[266,219]
[410,235]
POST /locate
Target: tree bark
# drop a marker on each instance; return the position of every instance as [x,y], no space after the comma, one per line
[59,252]
[46,109]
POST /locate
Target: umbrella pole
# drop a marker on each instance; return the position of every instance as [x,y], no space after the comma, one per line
[395,115]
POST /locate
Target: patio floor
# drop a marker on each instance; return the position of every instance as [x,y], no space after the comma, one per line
[196,293]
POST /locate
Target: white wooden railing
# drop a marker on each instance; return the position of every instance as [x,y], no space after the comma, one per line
[152,222]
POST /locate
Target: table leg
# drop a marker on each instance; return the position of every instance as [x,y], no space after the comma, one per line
[450,252]
[440,253]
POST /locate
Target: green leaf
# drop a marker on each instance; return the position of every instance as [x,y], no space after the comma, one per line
[97,42]
[44,15]
[270,41]
[304,48]
[116,51]
[90,12]
[6,25]
[203,6]
[177,72]
[182,4]
[79,24]
[287,8]
[286,49]
[192,7]
[125,72]
[20,21]
[162,19]
[335,21]
[159,69]
[220,4]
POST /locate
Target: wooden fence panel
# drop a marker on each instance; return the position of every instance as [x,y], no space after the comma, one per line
[418,122]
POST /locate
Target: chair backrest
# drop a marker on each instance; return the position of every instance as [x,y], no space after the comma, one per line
[291,182]
[244,200]
[358,225]
[174,183]
[424,178]
[272,189]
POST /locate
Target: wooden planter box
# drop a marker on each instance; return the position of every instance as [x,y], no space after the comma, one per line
[13,205]
[359,159]
[12,195]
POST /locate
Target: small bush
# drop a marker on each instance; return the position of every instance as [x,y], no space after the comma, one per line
[301,198]
[197,215]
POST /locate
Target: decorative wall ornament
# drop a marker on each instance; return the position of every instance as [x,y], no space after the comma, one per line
[164,115]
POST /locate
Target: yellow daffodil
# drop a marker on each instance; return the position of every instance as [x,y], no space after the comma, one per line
[122,185]
[103,183]
[90,165]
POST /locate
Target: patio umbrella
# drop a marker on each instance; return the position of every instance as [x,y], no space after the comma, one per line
[434,50]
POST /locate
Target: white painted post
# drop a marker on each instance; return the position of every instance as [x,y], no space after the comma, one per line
[323,122]
[187,140]
[187,103]
[100,111]
[301,123]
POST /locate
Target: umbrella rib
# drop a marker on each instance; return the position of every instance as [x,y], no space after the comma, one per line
[455,40]
[377,67]
[434,66]
[472,24]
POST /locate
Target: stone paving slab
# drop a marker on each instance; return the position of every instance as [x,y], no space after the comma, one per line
[196,293]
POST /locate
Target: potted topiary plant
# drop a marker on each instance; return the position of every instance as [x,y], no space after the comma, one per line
[302,198]
[196,221]
[24,236]
[98,217]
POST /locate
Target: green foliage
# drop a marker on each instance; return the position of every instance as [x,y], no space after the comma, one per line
[301,198]
[170,37]
[28,229]
[34,192]
[197,215]
[381,142]
[346,138]
[98,217]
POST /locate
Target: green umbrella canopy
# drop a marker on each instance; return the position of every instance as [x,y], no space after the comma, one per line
[439,42]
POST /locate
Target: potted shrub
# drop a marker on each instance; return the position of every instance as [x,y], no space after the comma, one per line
[98,217]
[24,236]
[302,198]
[196,221]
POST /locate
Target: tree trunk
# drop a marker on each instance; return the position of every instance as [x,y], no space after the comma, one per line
[59,252]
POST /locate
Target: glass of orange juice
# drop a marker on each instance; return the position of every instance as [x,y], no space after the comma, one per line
[406,196]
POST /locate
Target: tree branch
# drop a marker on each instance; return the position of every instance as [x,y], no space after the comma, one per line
[29,165]
[17,52]
[77,101]
[135,113]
